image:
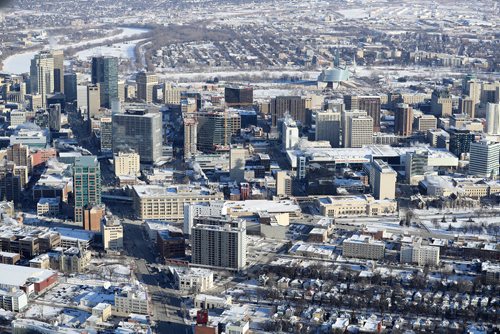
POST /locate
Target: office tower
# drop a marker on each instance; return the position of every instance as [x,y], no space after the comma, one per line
[190,137]
[35,102]
[358,130]
[441,103]
[403,120]
[472,88]
[370,104]
[488,92]
[171,94]
[10,184]
[290,133]
[345,119]
[460,140]
[70,87]
[295,106]
[484,159]
[106,136]
[493,118]
[382,180]
[105,73]
[221,246]
[86,185]
[54,112]
[458,121]
[237,158]
[215,129]
[283,184]
[93,100]
[121,91]
[19,154]
[42,75]
[238,97]
[145,85]
[416,166]
[58,56]
[328,124]
[140,131]
[92,217]
[426,122]
[467,106]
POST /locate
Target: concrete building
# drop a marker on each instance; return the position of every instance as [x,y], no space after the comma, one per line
[48,207]
[493,119]
[237,158]
[14,300]
[92,216]
[93,100]
[190,137]
[20,155]
[363,247]
[425,122]
[192,280]
[139,130]
[170,243]
[419,254]
[156,202]
[355,206]
[219,246]
[194,210]
[441,103]
[467,106]
[403,120]
[131,301]
[383,180]
[145,85]
[484,159]
[295,106]
[127,164]
[283,184]
[328,125]
[106,134]
[358,131]
[112,234]
[370,104]
[42,75]
[289,134]
[86,185]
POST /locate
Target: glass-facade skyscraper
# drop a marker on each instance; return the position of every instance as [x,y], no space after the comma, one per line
[105,73]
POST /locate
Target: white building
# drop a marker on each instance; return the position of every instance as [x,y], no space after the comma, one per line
[128,302]
[13,300]
[383,180]
[127,164]
[48,206]
[112,234]
[493,119]
[420,254]
[193,210]
[290,133]
[363,247]
[484,158]
[211,302]
[193,280]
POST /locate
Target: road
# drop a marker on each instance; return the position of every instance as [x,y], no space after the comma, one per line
[166,304]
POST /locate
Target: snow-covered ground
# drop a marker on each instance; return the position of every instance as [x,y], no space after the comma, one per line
[119,50]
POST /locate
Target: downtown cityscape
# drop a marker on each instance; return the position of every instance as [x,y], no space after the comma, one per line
[249,167]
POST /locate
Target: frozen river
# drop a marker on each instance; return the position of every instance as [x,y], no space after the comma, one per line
[20,63]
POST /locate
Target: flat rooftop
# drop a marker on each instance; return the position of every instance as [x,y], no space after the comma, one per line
[11,275]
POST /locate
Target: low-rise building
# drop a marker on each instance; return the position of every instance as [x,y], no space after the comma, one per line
[112,234]
[419,254]
[48,206]
[355,206]
[131,301]
[363,247]
[193,280]
[13,299]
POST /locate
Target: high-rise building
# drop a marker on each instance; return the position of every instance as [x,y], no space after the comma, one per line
[58,56]
[426,122]
[357,130]
[106,134]
[328,125]
[295,106]
[140,131]
[346,115]
[370,104]
[283,183]
[290,133]
[220,246]
[19,154]
[10,183]
[70,86]
[493,118]
[484,159]
[54,112]
[190,137]
[382,180]
[86,185]
[105,73]
[238,97]
[215,129]
[441,103]
[403,120]
[460,140]
[467,106]
[93,100]
[416,166]
[127,164]
[488,92]
[42,75]
[145,85]
[92,217]
[237,157]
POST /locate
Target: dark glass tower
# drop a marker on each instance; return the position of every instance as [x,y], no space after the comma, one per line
[105,73]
